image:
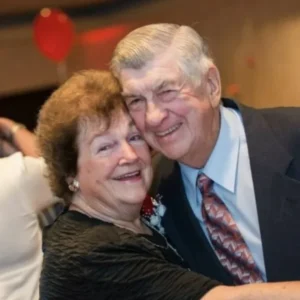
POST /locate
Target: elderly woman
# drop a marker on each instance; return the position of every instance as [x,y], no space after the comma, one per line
[102,247]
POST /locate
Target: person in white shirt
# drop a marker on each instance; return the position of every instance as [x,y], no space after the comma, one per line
[24,192]
[16,137]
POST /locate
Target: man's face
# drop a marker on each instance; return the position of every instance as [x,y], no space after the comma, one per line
[176,118]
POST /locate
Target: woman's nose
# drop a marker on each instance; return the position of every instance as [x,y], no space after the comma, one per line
[129,154]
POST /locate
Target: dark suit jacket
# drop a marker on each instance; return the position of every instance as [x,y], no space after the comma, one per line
[273,138]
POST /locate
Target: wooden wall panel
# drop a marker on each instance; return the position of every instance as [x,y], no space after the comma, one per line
[234,29]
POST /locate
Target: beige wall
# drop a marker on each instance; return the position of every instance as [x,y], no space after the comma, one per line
[235,29]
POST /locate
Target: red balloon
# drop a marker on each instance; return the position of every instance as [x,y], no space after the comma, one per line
[53,33]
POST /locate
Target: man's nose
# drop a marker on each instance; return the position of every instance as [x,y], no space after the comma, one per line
[154,114]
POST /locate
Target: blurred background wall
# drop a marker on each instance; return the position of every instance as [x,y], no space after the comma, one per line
[255,44]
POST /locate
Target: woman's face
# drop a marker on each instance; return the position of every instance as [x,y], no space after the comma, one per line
[114,165]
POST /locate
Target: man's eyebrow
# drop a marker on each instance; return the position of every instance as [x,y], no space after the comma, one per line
[163,84]
[157,87]
[127,95]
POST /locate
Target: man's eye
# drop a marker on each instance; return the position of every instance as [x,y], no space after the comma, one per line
[167,95]
[134,101]
[165,92]
[136,137]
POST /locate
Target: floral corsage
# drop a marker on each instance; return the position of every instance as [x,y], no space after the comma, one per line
[152,212]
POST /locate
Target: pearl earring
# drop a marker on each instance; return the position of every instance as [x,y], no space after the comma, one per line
[74,186]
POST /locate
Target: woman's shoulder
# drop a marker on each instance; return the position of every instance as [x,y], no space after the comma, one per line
[77,232]
[76,235]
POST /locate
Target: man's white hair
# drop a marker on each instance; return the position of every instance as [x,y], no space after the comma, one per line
[144,44]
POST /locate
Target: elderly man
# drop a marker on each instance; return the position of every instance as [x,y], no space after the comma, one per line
[229,174]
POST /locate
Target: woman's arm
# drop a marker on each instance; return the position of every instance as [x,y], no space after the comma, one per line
[19,136]
[134,269]
[259,291]
[121,270]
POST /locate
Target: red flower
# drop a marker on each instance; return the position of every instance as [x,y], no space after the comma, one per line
[147,208]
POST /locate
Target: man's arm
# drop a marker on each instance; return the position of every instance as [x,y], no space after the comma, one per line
[259,291]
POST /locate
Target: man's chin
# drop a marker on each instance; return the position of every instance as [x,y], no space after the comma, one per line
[170,151]
[173,154]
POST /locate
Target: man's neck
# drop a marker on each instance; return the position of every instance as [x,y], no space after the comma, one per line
[199,154]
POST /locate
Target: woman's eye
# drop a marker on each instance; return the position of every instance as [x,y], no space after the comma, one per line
[104,148]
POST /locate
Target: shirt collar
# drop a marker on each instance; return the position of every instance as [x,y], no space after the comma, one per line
[189,175]
[221,166]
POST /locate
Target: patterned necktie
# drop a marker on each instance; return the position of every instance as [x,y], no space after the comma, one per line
[225,236]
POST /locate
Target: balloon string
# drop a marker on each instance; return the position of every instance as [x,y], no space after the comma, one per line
[62,71]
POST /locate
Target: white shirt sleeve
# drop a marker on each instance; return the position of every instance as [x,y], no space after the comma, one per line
[23,180]
[23,192]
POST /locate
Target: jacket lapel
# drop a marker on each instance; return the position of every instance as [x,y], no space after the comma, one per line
[182,227]
[269,163]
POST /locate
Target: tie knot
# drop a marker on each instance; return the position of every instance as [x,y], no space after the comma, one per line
[204,184]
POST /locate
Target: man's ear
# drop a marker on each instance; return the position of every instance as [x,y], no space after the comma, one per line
[213,86]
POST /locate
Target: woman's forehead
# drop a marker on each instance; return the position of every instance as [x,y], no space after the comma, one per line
[97,126]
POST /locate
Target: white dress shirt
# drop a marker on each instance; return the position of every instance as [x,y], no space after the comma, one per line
[229,168]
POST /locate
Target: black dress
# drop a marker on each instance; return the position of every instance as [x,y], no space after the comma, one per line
[88,259]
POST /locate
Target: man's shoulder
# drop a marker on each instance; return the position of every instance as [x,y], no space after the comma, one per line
[284,121]
[284,125]
[290,116]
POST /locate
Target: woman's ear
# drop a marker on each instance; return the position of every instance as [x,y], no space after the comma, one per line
[69,179]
